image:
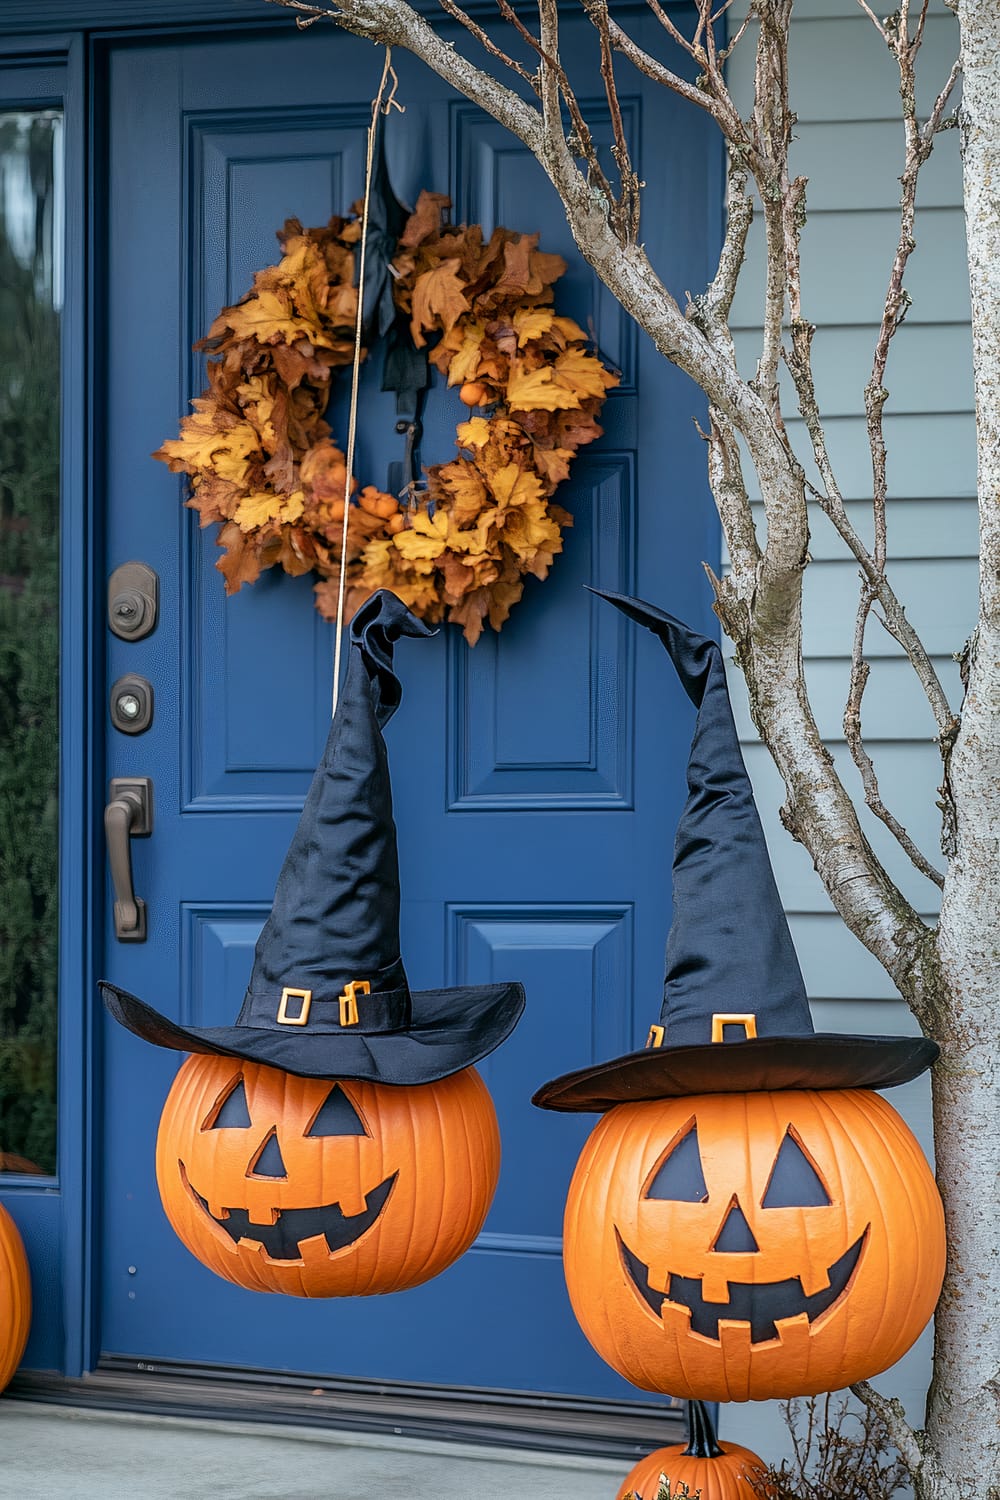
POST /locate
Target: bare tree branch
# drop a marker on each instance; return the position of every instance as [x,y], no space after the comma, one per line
[549,56]
[487,42]
[890,1411]
[852,732]
[672,31]
[659,73]
[918,146]
[717,301]
[628,203]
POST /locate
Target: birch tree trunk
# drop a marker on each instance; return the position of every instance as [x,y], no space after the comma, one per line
[963,1414]
[949,975]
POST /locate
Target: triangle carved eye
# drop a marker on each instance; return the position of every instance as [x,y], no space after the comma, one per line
[233,1113]
[794,1181]
[337,1116]
[679,1177]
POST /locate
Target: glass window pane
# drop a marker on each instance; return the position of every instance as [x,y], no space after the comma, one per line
[31,251]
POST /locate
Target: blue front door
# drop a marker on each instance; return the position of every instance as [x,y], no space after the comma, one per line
[536,776]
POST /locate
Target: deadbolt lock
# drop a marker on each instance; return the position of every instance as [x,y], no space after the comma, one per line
[132,704]
[133,600]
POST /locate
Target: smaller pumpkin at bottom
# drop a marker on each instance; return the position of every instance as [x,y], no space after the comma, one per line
[706,1467]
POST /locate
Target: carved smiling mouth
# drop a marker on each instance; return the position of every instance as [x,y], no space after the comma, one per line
[762,1305]
[292,1226]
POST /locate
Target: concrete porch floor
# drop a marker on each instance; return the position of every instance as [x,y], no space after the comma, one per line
[73,1453]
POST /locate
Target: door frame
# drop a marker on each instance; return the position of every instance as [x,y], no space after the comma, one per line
[53,1213]
[59,1215]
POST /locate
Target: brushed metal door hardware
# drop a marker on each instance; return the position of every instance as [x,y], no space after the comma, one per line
[133,601]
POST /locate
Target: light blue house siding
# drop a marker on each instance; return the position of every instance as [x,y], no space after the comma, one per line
[845,91]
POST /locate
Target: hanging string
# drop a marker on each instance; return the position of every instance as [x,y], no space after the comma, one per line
[377,108]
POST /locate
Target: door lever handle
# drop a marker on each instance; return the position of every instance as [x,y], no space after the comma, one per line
[128,815]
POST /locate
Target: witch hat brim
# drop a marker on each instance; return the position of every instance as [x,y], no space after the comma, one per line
[730,959]
[328,995]
[824,1060]
[448,1030]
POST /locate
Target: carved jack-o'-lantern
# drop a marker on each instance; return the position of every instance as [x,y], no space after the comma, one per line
[336,1140]
[748,1219]
[320,1188]
[15,1298]
[737,1247]
[704,1467]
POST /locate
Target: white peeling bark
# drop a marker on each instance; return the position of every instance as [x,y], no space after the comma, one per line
[963,1418]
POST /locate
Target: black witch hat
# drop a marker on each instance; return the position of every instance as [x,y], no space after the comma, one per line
[328,995]
[734,1017]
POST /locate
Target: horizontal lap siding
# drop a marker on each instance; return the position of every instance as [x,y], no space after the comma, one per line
[849,145]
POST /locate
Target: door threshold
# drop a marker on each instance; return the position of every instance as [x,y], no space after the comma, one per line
[533,1420]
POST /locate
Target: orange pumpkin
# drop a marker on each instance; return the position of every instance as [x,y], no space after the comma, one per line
[323,1188]
[15,1298]
[737,1247]
[713,1470]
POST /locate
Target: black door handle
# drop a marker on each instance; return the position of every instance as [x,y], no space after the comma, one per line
[128,815]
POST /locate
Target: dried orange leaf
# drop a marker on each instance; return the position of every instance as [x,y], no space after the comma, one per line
[530,390]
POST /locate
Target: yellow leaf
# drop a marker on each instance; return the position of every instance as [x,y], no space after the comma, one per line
[256,510]
[466,362]
[202,445]
[230,460]
[531,323]
[474,433]
[475,540]
[536,390]
[293,507]
[571,332]
[513,485]
[426,538]
[266,317]
[553,463]
[528,529]
[583,373]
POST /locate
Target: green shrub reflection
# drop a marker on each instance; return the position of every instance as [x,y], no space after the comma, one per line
[29,641]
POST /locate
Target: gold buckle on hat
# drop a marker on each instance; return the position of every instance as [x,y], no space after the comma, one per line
[721,1019]
[349,1000]
[656,1035]
[306,996]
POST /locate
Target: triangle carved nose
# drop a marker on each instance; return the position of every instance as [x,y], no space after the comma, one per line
[736,1236]
[269,1163]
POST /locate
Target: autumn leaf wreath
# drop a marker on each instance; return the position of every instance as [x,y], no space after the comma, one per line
[262,462]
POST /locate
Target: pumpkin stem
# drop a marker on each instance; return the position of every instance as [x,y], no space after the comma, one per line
[702,1442]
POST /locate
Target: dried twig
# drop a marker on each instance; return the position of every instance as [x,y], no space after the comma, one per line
[486,41]
[727,117]
[860,670]
[918,145]
[627,208]
[582,140]
[842,1453]
[672,30]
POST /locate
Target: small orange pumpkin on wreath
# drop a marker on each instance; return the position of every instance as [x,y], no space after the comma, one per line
[262,461]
